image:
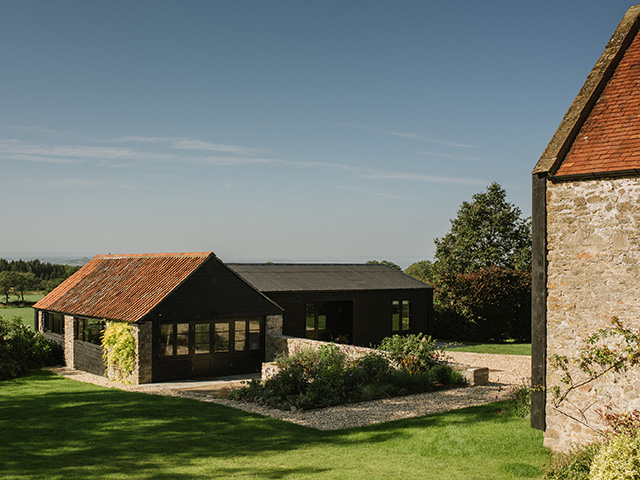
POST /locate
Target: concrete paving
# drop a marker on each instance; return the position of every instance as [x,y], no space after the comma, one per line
[218,386]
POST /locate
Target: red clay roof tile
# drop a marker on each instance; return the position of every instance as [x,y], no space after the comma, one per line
[122,287]
[609,139]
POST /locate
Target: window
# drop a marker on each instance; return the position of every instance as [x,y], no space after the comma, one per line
[255,335]
[174,339]
[54,322]
[241,335]
[203,338]
[89,330]
[166,339]
[221,337]
[248,335]
[401,316]
[316,316]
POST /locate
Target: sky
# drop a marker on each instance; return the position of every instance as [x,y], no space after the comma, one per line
[315,131]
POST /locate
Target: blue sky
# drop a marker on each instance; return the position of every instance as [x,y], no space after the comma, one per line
[276,130]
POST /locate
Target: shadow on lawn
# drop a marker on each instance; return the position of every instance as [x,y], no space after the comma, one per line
[59,428]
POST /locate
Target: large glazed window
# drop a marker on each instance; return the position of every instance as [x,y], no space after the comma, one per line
[401,316]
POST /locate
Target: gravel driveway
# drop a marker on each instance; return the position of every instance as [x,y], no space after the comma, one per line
[504,371]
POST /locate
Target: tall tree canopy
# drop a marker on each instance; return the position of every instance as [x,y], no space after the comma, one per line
[488,232]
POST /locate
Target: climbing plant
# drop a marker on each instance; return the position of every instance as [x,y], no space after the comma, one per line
[119,349]
[608,350]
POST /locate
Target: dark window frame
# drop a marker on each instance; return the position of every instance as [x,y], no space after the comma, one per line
[250,337]
[401,316]
[319,316]
[89,330]
[54,323]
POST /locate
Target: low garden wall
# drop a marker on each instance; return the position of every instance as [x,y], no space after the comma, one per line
[283,344]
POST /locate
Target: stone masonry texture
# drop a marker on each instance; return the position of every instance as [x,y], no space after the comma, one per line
[593,273]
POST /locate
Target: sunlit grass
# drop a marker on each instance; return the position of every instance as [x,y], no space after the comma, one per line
[57,428]
[507,348]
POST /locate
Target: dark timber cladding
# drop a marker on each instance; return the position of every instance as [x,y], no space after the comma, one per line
[213,302]
[538,301]
[328,301]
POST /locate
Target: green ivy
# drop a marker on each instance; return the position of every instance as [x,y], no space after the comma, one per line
[119,350]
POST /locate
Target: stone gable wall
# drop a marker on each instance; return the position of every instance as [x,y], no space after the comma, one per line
[593,255]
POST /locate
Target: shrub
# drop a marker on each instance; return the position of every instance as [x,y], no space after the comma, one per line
[489,304]
[617,459]
[519,399]
[626,423]
[415,353]
[22,349]
[574,465]
[324,377]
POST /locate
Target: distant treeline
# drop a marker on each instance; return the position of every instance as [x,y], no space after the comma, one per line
[18,276]
[42,270]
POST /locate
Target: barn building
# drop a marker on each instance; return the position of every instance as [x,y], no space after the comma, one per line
[586,237]
[192,316]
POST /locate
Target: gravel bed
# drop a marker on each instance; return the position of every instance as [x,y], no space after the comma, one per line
[504,371]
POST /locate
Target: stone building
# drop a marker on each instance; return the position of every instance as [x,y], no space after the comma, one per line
[586,237]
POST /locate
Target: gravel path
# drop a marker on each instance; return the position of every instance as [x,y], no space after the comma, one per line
[504,371]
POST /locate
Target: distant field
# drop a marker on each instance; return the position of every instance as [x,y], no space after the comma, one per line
[25,312]
[498,348]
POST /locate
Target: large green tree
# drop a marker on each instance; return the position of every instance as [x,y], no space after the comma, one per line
[487,232]
[482,271]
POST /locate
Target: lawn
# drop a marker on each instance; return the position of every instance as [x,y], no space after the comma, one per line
[507,348]
[25,312]
[57,428]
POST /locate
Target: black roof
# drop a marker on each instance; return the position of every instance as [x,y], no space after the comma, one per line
[298,277]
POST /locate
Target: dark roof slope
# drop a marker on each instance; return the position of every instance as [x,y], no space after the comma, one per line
[275,277]
[122,287]
[600,133]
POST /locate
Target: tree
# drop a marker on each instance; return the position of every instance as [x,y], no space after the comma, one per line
[482,271]
[24,282]
[7,283]
[423,270]
[385,262]
[487,232]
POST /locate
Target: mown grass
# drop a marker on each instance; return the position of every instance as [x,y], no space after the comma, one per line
[25,312]
[508,348]
[57,428]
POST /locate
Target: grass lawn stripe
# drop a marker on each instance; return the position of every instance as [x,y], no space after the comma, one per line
[58,428]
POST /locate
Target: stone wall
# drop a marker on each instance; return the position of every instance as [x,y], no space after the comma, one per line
[69,338]
[593,269]
[283,344]
[143,335]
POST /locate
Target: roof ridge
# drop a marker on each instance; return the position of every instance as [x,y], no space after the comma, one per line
[151,255]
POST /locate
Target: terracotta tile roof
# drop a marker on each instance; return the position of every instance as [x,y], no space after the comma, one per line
[609,140]
[122,287]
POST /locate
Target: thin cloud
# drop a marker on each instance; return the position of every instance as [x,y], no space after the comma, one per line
[230,161]
[113,156]
[46,152]
[327,165]
[411,136]
[411,177]
[185,143]
[452,157]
